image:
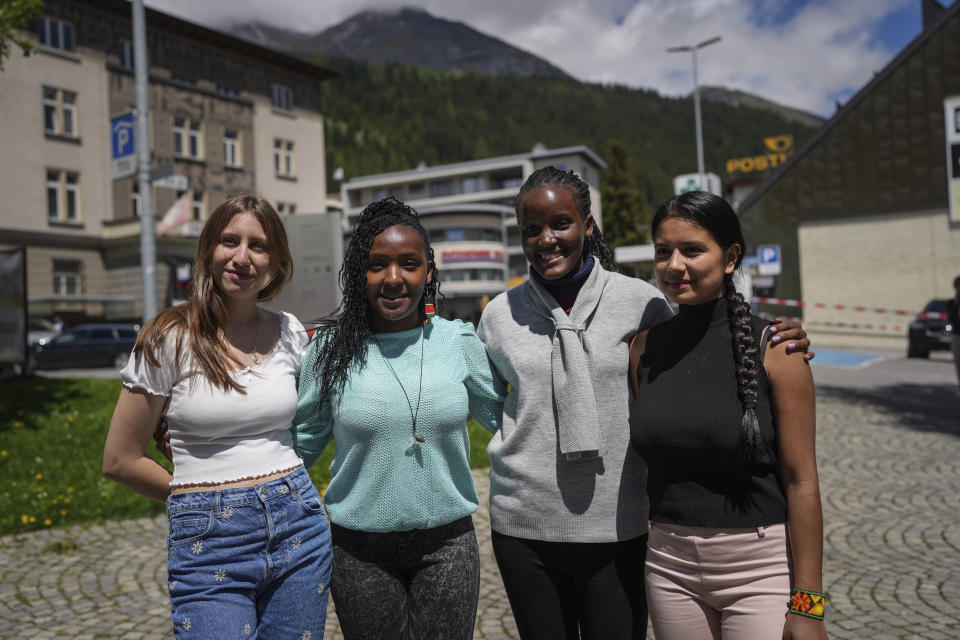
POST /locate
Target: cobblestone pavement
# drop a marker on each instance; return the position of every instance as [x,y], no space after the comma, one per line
[890,480]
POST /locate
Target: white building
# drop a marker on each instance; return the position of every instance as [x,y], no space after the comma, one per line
[468,210]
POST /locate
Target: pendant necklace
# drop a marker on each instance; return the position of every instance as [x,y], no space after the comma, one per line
[253,352]
[413,414]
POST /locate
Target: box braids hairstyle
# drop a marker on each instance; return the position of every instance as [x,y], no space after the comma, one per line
[344,334]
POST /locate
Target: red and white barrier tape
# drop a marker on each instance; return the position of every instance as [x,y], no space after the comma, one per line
[852,325]
[787,302]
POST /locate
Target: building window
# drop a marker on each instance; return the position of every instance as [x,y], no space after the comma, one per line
[415,190]
[136,204]
[196,205]
[231,148]
[186,138]
[397,192]
[281,97]
[473,184]
[283,164]
[66,278]
[441,188]
[286,208]
[378,194]
[125,52]
[63,196]
[55,34]
[60,112]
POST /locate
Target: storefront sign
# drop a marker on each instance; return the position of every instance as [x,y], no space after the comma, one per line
[471,255]
[778,149]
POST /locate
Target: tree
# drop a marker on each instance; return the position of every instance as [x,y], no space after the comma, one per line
[14,15]
[626,219]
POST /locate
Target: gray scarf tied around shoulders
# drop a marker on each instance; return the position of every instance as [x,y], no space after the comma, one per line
[579,432]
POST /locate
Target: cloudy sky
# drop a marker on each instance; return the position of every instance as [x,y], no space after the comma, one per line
[803,53]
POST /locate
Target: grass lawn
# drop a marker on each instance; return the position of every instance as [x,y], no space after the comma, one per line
[51,445]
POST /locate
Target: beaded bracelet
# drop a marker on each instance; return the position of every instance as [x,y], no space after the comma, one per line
[807,603]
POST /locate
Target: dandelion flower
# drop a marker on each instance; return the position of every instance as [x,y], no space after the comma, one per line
[48,522]
[32,519]
[25,519]
[39,476]
[3,453]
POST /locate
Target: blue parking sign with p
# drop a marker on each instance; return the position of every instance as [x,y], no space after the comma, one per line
[123,162]
[768,260]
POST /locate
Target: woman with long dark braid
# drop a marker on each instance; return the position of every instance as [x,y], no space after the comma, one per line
[568,507]
[393,387]
[727,429]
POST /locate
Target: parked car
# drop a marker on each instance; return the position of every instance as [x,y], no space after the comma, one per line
[40,331]
[86,345]
[930,330]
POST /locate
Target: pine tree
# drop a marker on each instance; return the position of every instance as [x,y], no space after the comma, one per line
[626,219]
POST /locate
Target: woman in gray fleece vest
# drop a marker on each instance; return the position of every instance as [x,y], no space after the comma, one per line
[568,505]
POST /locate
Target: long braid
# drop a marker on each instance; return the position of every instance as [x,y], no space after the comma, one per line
[751,447]
[553,177]
[344,334]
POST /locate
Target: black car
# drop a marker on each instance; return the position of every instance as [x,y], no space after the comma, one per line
[930,330]
[86,345]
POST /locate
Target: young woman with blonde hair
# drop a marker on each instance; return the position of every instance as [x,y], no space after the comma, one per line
[249,546]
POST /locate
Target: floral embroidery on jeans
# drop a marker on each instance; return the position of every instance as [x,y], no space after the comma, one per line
[197,547]
[296,543]
[247,629]
[306,635]
[220,575]
[186,624]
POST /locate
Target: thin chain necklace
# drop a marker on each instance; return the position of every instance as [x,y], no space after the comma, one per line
[413,414]
[252,353]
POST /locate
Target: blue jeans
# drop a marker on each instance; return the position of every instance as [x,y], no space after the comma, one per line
[251,562]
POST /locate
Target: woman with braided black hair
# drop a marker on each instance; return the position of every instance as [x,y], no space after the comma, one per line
[569,524]
[393,386]
[726,427]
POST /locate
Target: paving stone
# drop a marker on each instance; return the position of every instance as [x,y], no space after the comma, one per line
[891,498]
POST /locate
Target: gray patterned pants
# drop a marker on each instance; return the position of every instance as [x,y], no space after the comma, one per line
[422,583]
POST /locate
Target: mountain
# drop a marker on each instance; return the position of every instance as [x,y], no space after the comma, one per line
[405,36]
[737,98]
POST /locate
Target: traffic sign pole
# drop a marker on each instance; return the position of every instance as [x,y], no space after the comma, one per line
[148,249]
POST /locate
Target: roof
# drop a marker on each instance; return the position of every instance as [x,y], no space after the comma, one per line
[166,22]
[494,162]
[878,79]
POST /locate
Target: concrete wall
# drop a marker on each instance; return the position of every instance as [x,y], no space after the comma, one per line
[898,261]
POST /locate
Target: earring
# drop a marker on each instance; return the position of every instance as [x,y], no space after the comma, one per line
[429,308]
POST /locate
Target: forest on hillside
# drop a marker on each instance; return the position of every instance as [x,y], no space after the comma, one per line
[388,117]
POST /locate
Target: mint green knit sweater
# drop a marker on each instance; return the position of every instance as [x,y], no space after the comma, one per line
[381,480]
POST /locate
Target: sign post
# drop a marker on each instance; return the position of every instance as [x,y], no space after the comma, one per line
[123,156]
[951,115]
[768,260]
[694,182]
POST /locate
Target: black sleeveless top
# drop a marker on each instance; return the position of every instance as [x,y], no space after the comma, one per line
[686,423]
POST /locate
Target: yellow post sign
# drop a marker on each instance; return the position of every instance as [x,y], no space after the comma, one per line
[778,148]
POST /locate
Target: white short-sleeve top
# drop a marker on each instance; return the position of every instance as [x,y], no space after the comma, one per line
[222,436]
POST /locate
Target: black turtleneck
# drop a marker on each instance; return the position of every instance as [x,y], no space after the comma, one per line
[565,288]
[686,423]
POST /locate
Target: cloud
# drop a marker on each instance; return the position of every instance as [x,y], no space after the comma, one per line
[803,57]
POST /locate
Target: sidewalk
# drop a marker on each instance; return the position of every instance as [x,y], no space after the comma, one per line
[889,458]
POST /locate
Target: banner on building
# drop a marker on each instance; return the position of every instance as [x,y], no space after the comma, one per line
[951,115]
[13,306]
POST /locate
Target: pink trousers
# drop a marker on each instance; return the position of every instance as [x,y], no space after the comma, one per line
[713,584]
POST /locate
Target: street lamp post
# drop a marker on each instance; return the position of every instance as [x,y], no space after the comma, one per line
[696,104]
